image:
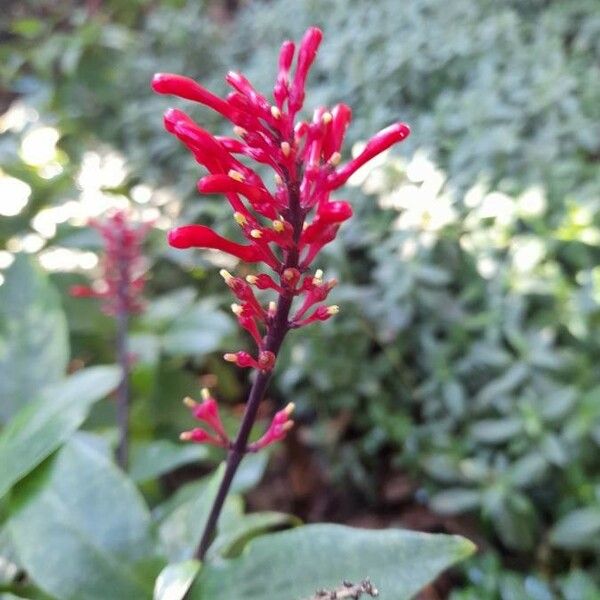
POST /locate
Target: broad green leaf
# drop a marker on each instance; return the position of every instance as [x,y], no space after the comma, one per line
[496,431]
[152,459]
[294,564]
[514,518]
[235,533]
[166,308]
[250,472]
[175,580]
[180,532]
[81,528]
[9,569]
[579,585]
[528,470]
[248,475]
[199,331]
[42,426]
[34,342]
[578,530]
[455,500]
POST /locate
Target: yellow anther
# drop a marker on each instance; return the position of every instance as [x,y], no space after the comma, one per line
[236,309]
[289,409]
[272,307]
[326,118]
[205,393]
[334,309]
[278,179]
[335,159]
[235,175]
[189,402]
[226,275]
[240,219]
[304,225]
[278,226]
[239,131]
[185,436]
[251,279]
[230,357]
[275,112]
[256,234]
[285,148]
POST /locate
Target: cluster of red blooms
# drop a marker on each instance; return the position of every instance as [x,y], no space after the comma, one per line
[285,223]
[207,412]
[122,282]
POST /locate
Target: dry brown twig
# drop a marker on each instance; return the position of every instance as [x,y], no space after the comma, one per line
[348,590]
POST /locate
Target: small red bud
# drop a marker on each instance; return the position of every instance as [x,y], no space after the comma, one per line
[266,360]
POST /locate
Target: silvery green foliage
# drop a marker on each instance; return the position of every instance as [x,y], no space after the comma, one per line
[506,90]
[472,332]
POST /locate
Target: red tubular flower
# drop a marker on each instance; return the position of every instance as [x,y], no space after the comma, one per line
[122,281]
[200,236]
[286,224]
[207,412]
[277,430]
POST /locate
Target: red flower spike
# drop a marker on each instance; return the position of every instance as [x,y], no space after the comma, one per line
[121,284]
[305,160]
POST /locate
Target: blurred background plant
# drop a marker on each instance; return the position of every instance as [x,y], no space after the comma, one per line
[461,376]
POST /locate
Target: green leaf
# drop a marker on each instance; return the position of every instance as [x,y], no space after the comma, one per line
[34,342]
[496,431]
[294,564]
[234,534]
[175,580]
[42,426]
[199,331]
[180,532]
[250,472]
[94,525]
[9,569]
[166,308]
[149,460]
[455,500]
[578,530]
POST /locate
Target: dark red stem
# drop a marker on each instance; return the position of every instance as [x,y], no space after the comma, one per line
[277,331]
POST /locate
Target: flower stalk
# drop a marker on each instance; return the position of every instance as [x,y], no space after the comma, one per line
[285,224]
[120,290]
